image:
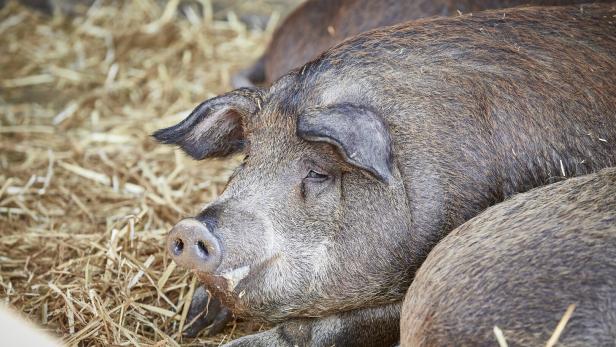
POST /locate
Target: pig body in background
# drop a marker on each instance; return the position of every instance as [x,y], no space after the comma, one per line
[358,163]
[518,266]
[317,25]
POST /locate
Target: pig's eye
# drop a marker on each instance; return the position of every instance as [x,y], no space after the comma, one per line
[315,176]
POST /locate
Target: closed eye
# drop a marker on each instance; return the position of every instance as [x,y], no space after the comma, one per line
[316,176]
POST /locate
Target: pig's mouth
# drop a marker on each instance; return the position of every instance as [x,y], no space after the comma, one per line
[224,285]
[217,286]
[226,281]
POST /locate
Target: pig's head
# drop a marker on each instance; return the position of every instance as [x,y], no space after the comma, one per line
[315,220]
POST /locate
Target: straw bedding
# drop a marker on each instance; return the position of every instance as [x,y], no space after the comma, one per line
[86,195]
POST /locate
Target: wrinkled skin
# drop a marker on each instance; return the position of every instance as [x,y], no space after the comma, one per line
[299,39]
[519,265]
[359,162]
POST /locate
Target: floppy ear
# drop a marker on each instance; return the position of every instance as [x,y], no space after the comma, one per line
[360,135]
[214,128]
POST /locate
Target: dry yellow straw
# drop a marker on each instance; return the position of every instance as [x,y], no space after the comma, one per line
[561,326]
[500,337]
[86,196]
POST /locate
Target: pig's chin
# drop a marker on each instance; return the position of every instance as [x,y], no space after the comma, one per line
[224,286]
[236,287]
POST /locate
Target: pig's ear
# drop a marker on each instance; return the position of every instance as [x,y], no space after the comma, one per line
[215,127]
[359,134]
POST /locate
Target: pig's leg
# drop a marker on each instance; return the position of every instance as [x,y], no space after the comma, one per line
[377,326]
[205,311]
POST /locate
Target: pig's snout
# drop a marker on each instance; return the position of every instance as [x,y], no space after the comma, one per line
[193,246]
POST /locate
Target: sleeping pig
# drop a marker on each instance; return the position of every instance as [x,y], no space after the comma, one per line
[357,163]
[518,266]
[317,25]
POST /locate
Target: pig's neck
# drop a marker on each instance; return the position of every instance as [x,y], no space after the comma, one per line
[447,189]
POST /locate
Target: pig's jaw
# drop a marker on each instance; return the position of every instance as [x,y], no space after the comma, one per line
[225,281]
[232,287]
[233,277]
[218,286]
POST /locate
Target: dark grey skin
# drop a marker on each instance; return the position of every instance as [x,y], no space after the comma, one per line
[360,161]
[519,265]
[298,40]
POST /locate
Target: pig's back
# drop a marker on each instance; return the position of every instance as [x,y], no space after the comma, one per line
[317,25]
[320,24]
[518,266]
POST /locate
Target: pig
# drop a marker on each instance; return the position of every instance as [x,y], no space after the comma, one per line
[317,25]
[519,265]
[359,162]
[299,40]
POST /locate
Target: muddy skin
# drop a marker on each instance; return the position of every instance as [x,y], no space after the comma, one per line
[360,161]
[317,25]
[519,265]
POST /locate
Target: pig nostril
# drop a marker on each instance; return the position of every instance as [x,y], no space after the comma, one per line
[203,248]
[178,246]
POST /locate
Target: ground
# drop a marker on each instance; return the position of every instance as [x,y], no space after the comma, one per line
[86,195]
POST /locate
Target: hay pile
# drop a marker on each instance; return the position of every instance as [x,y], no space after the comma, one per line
[86,196]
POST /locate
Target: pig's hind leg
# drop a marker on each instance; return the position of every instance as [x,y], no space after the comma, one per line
[377,326]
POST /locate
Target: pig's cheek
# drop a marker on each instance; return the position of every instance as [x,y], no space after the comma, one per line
[270,244]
